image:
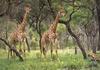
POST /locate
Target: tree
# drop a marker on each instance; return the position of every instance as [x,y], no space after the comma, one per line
[98,19]
[67,24]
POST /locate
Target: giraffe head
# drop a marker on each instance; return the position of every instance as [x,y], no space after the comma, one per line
[61,12]
[27,8]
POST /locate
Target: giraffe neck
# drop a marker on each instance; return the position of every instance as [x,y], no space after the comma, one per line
[23,23]
[24,18]
[55,23]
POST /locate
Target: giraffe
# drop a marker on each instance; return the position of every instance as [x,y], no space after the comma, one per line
[19,35]
[50,36]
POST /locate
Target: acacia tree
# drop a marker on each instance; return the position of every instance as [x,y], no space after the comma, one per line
[76,17]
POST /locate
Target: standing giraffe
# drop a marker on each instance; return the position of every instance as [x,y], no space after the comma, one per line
[50,36]
[19,35]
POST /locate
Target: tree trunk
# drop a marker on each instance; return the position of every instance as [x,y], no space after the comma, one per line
[77,40]
[93,44]
[75,50]
[98,17]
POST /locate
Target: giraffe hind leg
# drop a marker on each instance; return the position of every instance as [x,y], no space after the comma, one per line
[9,53]
[26,40]
[44,52]
[56,47]
[51,51]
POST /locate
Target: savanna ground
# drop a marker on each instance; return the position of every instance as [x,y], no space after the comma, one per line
[66,60]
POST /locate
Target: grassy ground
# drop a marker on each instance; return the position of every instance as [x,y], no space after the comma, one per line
[33,61]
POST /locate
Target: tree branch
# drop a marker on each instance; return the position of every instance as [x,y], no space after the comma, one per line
[12,49]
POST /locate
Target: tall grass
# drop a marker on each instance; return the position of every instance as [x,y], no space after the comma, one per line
[32,61]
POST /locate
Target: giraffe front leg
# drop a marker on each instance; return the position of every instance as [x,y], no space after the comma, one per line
[8,53]
[51,51]
[52,45]
[24,48]
[56,47]
[14,55]
[20,50]
[56,50]
[26,40]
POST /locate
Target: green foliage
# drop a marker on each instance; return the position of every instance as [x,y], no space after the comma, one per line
[74,61]
[34,38]
[45,26]
[61,28]
[70,43]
